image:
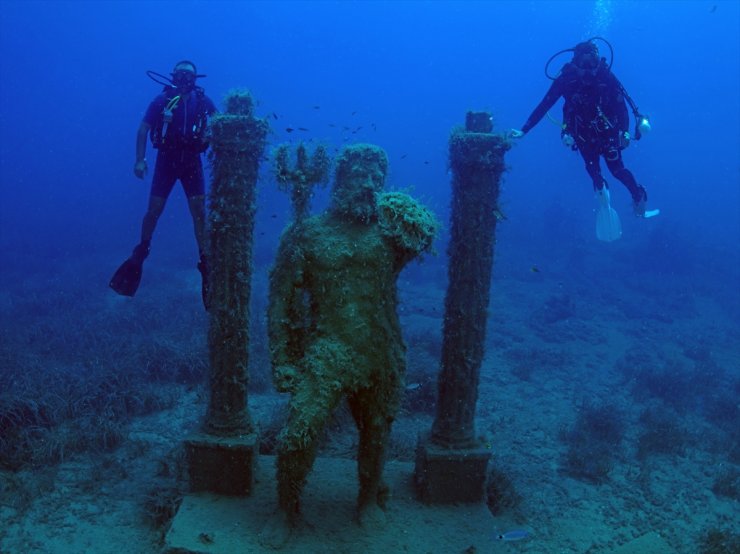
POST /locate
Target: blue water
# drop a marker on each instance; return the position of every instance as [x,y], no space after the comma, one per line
[400,75]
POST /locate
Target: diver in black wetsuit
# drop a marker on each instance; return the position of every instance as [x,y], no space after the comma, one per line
[595,118]
[177,121]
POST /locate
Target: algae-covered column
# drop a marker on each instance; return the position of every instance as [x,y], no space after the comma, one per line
[451,463]
[221,458]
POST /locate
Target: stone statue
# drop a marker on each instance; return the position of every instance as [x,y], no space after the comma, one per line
[333,327]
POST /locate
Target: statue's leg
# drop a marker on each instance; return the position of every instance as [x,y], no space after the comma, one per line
[373,410]
[310,407]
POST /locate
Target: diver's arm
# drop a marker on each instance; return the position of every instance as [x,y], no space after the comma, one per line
[140,165]
[547,102]
[623,116]
[141,135]
[618,110]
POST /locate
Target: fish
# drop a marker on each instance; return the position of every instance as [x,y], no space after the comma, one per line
[535,269]
[317,107]
[302,129]
[426,162]
[403,156]
[274,115]
[353,113]
[289,129]
[513,535]
[714,9]
[373,126]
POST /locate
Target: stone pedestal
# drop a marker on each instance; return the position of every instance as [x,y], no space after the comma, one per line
[222,465]
[444,475]
[215,524]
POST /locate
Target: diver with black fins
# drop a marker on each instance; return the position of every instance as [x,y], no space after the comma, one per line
[595,123]
[177,121]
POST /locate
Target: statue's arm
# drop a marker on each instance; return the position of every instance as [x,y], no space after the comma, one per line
[287,313]
[408,225]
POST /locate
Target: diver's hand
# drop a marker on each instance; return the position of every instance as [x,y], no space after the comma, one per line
[140,169]
[516,134]
[285,377]
[624,140]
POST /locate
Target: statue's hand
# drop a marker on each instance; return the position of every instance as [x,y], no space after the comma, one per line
[409,224]
[285,377]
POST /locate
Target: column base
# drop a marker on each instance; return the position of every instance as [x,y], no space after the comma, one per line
[444,475]
[221,465]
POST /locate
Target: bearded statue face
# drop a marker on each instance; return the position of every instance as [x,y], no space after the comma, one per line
[360,176]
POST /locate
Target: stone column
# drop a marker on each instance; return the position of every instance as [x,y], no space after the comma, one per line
[451,462]
[221,457]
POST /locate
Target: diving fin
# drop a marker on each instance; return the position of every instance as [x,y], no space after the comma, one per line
[126,279]
[651,213]
[608,226]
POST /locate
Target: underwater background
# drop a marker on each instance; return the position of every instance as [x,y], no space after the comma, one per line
[611,380]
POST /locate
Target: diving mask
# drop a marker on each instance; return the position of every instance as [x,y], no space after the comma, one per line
[184,80]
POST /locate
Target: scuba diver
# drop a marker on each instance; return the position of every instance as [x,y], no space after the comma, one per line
[176,121]
[596,123]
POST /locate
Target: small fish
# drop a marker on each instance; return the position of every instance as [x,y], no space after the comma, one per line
[273,216]
[426,162]
[500,216]
[413,386]
[332,125]
[714,9]
[403,156]
[535,269]
[317,107]
[289,129]
[513,535]
[373,126]
[357,129]
[353,113]
[302,129]
[274,115]
[345,128]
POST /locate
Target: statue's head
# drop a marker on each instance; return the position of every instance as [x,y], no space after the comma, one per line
[360,175]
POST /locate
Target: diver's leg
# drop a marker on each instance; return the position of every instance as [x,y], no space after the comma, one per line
[162,182]
[191,176]
[625,176]
[197,205]
[151,217]
[193,182]
[590,155]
